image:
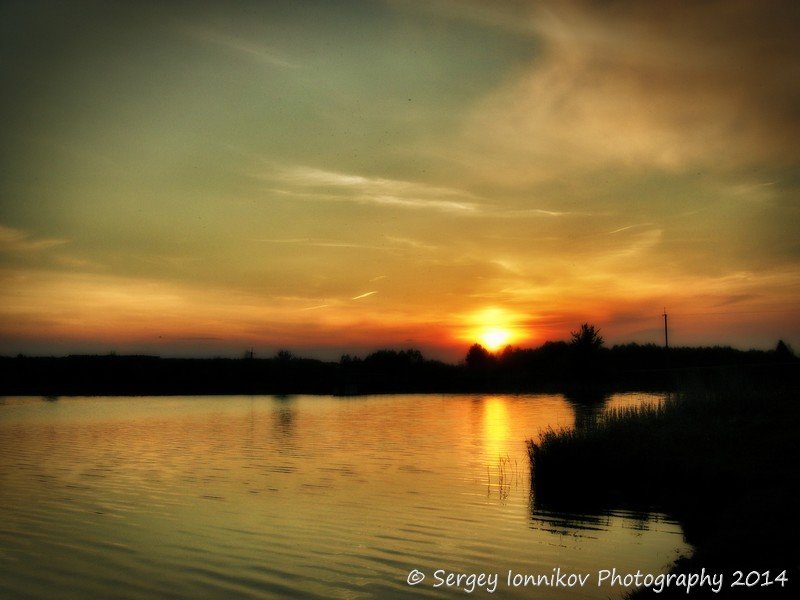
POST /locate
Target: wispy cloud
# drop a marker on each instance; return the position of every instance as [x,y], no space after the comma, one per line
[317,244]
[16,240]
[627,227]
[659,86]
[317,307]
[238,45]
[409,243]
[639,244]
[511,17]
[347,187]
[756,192]
[367,294]
[540,212]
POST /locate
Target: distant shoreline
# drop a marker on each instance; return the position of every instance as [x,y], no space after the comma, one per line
[553,368]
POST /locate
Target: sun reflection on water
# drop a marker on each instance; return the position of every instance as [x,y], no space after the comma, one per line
[495,428]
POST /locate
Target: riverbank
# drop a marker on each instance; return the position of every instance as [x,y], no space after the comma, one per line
[552,368]
[718,457]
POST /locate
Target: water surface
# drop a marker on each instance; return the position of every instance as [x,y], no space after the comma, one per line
[247,497]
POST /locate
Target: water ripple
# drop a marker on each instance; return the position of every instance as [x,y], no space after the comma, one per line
[237,497]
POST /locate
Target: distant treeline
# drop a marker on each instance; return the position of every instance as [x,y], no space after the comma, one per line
[555,366]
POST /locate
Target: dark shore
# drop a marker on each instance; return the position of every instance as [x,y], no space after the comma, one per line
[719,456]
[553,367]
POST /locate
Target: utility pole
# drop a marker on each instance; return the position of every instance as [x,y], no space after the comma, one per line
[666,331]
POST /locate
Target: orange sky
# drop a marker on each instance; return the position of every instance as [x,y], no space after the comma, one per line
[394,174]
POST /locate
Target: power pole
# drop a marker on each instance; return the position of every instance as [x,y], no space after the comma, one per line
[666,331]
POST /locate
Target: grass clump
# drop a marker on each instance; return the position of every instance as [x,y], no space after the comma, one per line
[721,459]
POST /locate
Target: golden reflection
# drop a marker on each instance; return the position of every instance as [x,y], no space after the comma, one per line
[495,429]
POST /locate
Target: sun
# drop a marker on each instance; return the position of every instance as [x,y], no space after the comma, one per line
[494,338]
[494,328]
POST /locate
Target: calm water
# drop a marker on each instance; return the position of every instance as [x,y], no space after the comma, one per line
[292,497]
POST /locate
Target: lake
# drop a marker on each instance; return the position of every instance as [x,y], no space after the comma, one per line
[300,496]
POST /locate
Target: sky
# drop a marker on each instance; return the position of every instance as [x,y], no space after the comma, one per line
[199,179]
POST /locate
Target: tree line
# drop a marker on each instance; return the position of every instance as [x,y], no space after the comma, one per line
[583,361]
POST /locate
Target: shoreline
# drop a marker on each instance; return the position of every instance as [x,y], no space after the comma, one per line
[389,372]
[716,459]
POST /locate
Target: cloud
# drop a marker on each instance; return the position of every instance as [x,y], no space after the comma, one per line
[238,45]
[320,184]
[365,295]
[410,243]
[627,227]
[317,307]
[539,212]
[16,240]
[666,85]
[510,16]
[318,244]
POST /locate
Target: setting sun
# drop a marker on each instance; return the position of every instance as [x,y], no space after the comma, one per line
[494,338]
[494,328]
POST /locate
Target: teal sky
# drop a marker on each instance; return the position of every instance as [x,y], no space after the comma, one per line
[200,178]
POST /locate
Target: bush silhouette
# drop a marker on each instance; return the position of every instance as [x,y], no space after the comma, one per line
[587,337]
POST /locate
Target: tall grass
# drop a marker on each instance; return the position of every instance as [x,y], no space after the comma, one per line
[508,476]
[719,458]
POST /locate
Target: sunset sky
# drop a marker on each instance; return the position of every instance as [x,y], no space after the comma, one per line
[185,178]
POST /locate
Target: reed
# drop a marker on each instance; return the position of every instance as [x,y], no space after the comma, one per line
[508,476]
[720,459]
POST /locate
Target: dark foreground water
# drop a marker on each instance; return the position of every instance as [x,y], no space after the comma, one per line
[249,497]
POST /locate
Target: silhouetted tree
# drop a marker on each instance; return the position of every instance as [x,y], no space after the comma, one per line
[586,349]
[347,360]
[783,350]
[478,357]
[394,359]
[588,337]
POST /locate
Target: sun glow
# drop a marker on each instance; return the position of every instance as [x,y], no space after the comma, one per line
[494,338]
[493,328]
